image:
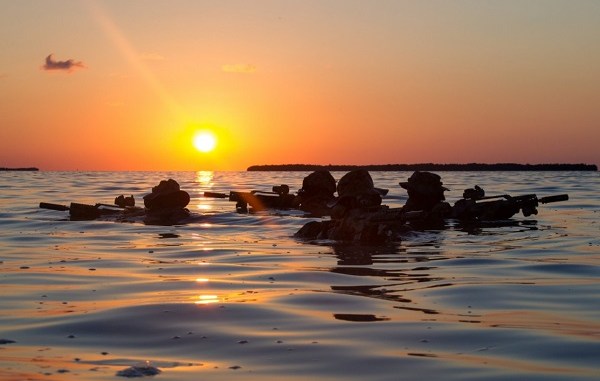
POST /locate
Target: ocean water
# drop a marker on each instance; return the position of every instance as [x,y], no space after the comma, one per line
[235,296]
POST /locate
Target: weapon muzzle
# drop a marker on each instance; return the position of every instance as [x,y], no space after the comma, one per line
[557,198]
[215,195]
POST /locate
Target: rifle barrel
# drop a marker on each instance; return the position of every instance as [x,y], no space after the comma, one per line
[216,195]
[557,198]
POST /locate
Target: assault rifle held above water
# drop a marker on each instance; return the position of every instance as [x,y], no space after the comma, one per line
[83,212]
[279,198]
[476,206]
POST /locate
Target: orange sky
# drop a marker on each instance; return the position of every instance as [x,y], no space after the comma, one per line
[324,82]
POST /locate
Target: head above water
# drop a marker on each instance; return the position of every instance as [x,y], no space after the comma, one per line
[424,183]
[318,183]
[166,194]
[166,186]
[356,183]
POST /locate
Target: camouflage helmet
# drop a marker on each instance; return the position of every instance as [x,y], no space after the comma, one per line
[166,194]
[425,183]
[318,183]
[356,183]
[166,187]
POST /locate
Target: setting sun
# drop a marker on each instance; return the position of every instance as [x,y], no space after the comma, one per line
[205,141]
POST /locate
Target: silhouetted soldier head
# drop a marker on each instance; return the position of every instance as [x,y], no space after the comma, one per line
[318,183]
[356,190]
[317,193]
[166,195]
[425,191]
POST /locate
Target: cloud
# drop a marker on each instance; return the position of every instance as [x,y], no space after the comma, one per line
[68,65]
[3,75]
[239,68]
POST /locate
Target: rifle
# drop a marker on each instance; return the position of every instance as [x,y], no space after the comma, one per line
[386,214]
[84,212]
[476,206]
[279,198]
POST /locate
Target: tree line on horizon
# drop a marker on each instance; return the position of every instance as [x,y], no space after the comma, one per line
[19,169]
[428,167]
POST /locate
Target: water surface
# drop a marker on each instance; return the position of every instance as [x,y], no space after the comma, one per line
[237,296]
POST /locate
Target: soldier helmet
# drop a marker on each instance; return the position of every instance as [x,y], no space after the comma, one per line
[318,183]
[166,186]
[166,194]
[426,183]
[356,183]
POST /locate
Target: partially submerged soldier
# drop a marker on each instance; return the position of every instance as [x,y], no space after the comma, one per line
[357,214]
[166,204]
[425,191]
[317,193]
[315,197]
[426,194]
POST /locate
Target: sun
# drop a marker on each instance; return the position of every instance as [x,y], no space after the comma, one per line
[205,141]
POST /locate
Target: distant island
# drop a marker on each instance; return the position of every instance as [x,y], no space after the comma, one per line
[429,167]
[19,169]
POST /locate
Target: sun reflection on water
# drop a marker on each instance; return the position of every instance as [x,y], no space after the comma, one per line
[207,299]
[204,207]
[204,177]
[204,180]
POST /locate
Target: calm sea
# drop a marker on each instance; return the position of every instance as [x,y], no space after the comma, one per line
[237,297]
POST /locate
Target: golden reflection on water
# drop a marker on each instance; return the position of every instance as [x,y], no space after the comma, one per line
[204,208]
[207,299]
[204,177]
[204,180]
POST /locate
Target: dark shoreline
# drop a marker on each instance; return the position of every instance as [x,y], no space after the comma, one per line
[29,169]
[429,167]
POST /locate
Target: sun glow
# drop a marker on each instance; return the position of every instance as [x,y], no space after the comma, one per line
[204,141]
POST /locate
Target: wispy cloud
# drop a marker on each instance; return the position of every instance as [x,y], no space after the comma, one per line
[68,65]
[3,75]
[239,68]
